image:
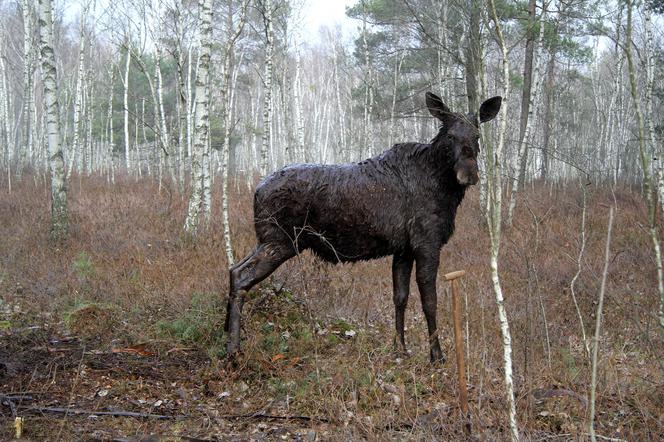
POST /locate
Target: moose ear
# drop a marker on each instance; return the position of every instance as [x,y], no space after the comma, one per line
[489,109]
[436,107]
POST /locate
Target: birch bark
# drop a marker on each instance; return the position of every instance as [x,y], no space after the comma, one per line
[28,85]
[76,148]
[111,146]
[59,214]
[648,181]
[202,118]
[649,116]
[299,117]
[227,97]
[494,221]
[126,108]
[4,113]
[267,96]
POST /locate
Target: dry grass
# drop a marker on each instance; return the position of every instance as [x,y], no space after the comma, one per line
[127,276]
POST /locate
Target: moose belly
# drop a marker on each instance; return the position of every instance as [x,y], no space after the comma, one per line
[348,245]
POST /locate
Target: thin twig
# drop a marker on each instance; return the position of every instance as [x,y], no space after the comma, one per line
[598,323]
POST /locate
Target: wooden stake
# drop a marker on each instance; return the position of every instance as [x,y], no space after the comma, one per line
[458,345]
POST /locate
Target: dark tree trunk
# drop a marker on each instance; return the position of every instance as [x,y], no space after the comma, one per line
[548,92]
[527,69]
[472,55]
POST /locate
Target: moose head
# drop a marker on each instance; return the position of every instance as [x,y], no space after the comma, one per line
[463,134]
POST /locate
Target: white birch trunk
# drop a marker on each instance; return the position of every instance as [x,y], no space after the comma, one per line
[442,46]
[182,106]
[111,146]
[25,153]
[227,99]
[598,324]
[267,95]
[190,108]
[340,113]
[202,118]
[299,117]
[126,109]
[648,181]
[59,216]
[368,141]
[89,142]
[649,116]
[5,113]
[76,151]
[397,71]
[494,220]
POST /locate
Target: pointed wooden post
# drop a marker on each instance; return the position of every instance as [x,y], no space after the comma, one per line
[458,346]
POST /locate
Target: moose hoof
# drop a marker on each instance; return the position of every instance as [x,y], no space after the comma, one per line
[401,353]
[233,358]
[437,358]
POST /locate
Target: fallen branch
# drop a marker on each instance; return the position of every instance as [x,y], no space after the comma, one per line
[275,417]
[119,413]
[79,412]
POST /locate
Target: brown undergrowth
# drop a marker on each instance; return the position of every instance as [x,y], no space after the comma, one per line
[127,317]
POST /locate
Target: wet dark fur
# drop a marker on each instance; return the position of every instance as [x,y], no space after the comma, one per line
[401,203]
[403,199]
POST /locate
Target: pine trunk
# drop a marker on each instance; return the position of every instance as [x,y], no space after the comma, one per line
[522,158]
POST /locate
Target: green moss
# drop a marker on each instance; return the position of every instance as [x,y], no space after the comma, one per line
[198,326]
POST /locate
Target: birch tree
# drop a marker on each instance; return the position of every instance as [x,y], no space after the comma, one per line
[125,86]
[59,215]
[494,219]
[111,144]
[5,117]
[26,152]
[227,97]
[648,180]
[649,116]
[267,12]
[76,151]
[202,117]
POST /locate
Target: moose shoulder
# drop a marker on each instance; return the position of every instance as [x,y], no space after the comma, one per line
[402,203]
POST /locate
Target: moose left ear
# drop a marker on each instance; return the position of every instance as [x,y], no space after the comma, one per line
[489,109]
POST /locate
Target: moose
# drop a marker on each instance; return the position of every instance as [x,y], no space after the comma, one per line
[401,203]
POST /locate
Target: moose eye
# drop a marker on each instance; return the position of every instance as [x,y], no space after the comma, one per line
[467,151]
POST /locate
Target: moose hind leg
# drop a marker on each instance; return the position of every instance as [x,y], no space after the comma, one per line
[228,305]
[425,273]
[402,266]
[250,271]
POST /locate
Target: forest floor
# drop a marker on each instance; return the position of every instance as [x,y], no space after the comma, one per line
[117,333]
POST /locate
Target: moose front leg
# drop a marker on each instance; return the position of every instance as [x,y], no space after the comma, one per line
[402,266]
[425,273]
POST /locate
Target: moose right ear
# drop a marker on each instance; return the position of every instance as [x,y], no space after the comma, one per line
[436,107]
[490,108]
